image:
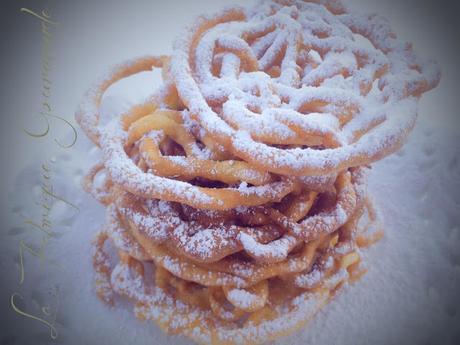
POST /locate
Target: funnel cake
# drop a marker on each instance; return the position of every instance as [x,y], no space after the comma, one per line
[236,194]
[250,77]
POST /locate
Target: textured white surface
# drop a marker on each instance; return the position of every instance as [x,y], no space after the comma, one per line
[410,294]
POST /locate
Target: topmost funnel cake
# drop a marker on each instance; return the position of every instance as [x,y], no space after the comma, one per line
[299,88]
[236,194]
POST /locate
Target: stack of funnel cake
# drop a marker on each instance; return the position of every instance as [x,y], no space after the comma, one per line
[236,194]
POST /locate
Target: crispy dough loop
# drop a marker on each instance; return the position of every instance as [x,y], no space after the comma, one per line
[88,115]
[100,193]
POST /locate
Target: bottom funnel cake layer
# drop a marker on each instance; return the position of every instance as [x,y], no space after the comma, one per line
[237,299]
